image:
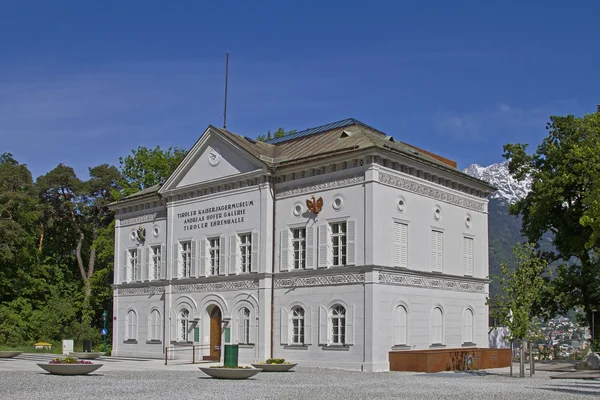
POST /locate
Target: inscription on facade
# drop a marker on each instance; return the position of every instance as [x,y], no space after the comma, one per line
[139,220]
[226,214]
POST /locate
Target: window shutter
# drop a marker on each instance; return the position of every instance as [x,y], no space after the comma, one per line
[175,265]
[173,326]
[146,269]
[403,245]
[284,245]
[323,334]
[222,256]
[284,333]
[124,266]
[138,272]
[134,325]
[255,247]
[350,242]
[310,252]
[350,325]
[397,242]
[202,256]
[307,326]
[193,258]
[150,326]
[127,326]
[163,262]
[233,262]
[471,256]
[433,251]
[440,238]
[253,327]
[323,245]
[468,256]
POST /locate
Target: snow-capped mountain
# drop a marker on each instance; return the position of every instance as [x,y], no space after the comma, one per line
[497,175]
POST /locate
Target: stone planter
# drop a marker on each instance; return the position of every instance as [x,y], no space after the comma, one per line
[85,355]
[275,367]
[69,369]
[9,354]
[230,373]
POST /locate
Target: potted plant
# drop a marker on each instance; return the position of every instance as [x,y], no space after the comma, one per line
[9,353]
[69,366]
[224,372]
[275,365]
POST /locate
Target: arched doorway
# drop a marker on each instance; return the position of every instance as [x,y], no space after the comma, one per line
[215,333]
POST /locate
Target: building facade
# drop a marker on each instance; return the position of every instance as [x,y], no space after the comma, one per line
[330,247]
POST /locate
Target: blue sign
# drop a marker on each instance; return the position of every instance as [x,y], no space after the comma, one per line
[104,331]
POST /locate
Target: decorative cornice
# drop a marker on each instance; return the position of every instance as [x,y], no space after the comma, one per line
[311,188]
[139,220]
[429,191]
[435,283]
[216,286]
[140,290]
[323,280]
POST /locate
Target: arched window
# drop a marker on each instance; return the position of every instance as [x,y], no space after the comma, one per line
[244,322]
[437,326]
[400,323]
[154,332]
[337,319]
[131,324]
[297,325]
[468,326]
[184,325]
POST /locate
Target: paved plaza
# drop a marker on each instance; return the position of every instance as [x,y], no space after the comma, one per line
[22,379]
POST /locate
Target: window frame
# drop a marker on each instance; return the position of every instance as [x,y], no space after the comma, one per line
[337,320]
[155,326]
[299,259]
[133,262]
[183,330]
[440,329]
[214,255]
[245,325]
[341,237]
[156,260]
[245,251]
[185,258]
[131,326]
[297,322]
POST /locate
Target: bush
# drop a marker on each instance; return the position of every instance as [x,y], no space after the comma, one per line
[275,361]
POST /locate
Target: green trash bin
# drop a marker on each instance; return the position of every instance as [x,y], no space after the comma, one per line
[231,355]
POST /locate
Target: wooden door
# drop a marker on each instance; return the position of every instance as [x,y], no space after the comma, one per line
[215,334]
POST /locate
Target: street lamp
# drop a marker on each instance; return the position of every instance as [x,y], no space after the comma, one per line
[104,331]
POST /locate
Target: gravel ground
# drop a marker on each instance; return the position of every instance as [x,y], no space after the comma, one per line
[303,383]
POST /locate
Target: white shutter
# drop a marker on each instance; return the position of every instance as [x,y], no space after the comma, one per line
[350,325]
[175,264]
[146,269]
[350,242]
[138,272]
[440,247]
[233,258]
[323,245]
[397,244]
[307,326]
[202,257]
[310,246]
[284,333]
[399,317]
[403,246]
[255,249]
[323,334]
[253,327]
[163,262]
[437,251]
[134,325]
[222,256]
[193,258]
[433,251]
[150,326]
[239,323]
[124,266]
[468,256]
[284,247]
[127,326]
[173,326]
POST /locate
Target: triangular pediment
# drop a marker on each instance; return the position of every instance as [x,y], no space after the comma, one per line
[212,158]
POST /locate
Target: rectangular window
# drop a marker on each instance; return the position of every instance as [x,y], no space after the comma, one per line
[400,245]
[134,264]
[186,259]
[437,251]
[214,244]
[338,243]
[156,254]
[246,252]
[299,246]
[468,256]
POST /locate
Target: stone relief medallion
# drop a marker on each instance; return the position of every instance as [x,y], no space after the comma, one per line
[214,156]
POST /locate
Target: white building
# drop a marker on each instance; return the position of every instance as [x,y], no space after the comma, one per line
[227,251]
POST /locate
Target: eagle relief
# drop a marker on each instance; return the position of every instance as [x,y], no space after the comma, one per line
[141,234]
[315,205]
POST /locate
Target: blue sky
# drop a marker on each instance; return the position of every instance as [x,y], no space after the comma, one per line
[83,83]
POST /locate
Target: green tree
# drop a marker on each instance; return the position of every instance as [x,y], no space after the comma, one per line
[562,201]
[280,132]
[521,290]
[145,167]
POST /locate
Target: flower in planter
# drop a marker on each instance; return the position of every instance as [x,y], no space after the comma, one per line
[275,361]
[68,360]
